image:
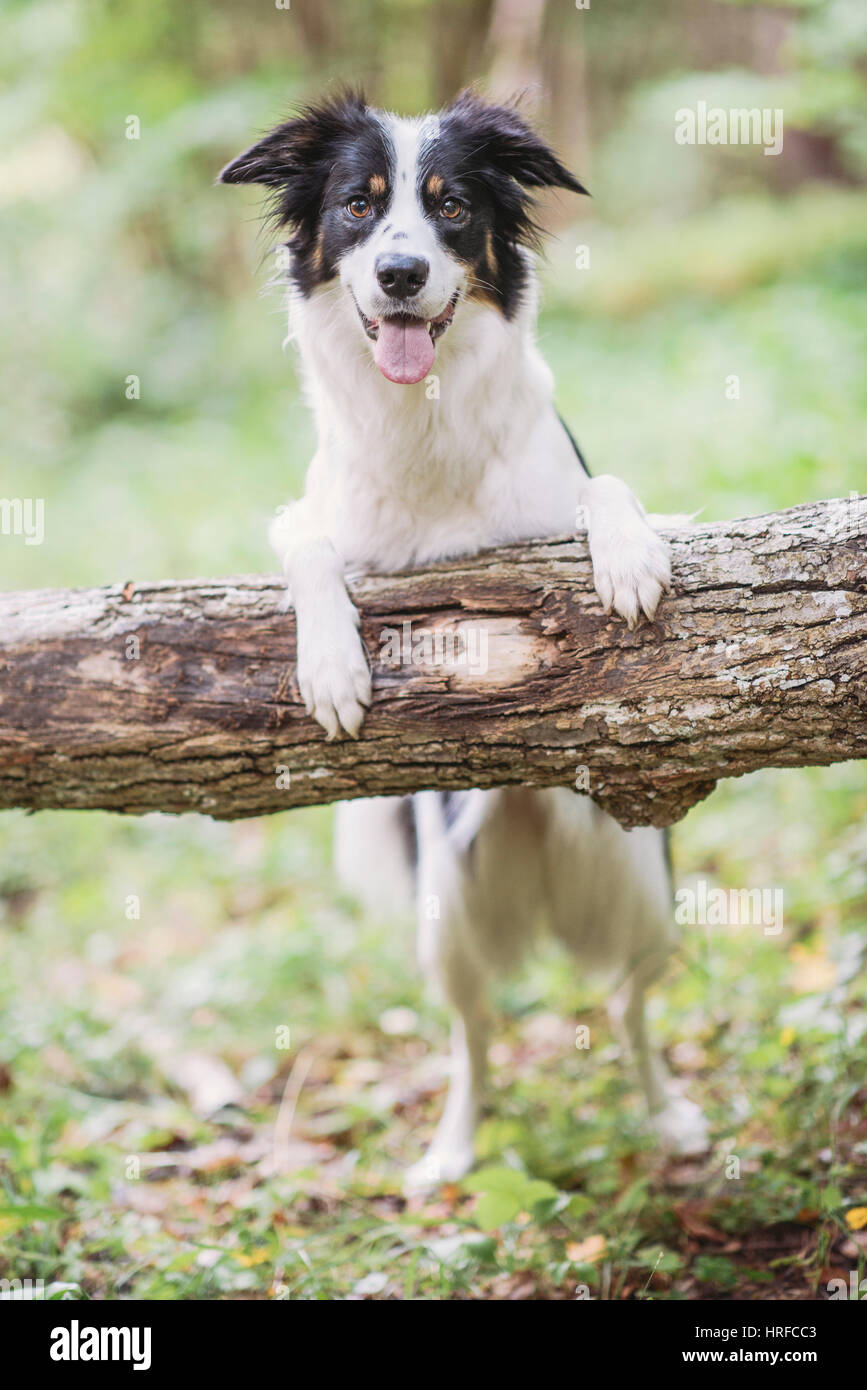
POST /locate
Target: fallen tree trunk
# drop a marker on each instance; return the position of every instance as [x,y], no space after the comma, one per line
[489,671]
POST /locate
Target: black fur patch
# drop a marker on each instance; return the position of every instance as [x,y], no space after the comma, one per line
[490,158]
[574,442]
[451,804]
[315,164]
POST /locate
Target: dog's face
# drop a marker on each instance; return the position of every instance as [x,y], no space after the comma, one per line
[410,217]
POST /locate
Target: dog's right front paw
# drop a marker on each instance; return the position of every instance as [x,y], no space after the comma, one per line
[334,678]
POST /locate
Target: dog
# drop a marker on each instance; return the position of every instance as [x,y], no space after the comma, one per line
[411,259]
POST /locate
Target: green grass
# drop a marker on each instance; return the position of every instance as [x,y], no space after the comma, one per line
[240,932]
[240,935]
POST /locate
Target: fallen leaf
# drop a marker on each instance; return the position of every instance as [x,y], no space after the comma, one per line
[856,1218]
[688,1056]
[256,1257]
[812,970]
[371,1284]
[691,1216]
[586,1252]
[513,1287]
[208,1082]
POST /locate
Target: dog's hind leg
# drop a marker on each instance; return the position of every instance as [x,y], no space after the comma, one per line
[678,1122]
[611,899]
[375,853]
[448,959]
[450,1154]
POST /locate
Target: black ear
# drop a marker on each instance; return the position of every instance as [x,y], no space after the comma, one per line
[268,161]
[300,150]
[507,141]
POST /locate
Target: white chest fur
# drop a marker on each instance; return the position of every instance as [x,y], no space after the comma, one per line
[472,457]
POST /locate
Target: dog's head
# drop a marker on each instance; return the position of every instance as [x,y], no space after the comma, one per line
[411,216]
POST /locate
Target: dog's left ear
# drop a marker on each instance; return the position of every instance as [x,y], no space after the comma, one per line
[267,162]
[511,144]
[292,156]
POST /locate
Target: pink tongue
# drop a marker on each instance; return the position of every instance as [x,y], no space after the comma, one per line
[403,350]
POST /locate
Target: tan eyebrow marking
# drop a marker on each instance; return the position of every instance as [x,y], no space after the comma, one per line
[377,185]
[490,252]
[435,186]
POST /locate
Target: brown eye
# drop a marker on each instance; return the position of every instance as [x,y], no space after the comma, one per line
[451,208]
[359,207]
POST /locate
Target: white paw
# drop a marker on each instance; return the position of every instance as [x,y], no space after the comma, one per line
[681,1127]
[438,1166]
[631,567]
[333,675]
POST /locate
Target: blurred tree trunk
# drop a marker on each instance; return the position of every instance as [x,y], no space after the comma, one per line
[320,25]
[515,46]
[457,36]
[566,82]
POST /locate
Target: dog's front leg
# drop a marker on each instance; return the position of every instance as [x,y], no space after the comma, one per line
[631,566]
[332,670]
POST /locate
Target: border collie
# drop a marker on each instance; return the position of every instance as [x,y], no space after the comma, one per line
[410,246]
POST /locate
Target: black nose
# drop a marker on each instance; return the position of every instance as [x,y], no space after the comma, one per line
[401,276]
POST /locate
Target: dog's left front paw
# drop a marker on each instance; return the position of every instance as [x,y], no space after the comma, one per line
[631,567]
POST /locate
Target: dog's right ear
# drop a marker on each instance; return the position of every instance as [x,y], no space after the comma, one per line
[296,157]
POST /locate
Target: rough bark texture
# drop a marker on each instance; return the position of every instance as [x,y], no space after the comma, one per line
[757,659]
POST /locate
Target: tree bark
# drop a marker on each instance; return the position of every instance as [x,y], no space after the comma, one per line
[181,696]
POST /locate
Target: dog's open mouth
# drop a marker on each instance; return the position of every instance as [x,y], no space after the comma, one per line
[404,345]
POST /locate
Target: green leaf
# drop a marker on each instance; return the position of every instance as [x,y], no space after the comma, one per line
[495,1209]
[539,1191]
[64,1293]
[579,1205]
[496,1179]
[12,1218]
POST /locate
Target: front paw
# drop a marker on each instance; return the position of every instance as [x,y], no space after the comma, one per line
[631,568]
[333,676]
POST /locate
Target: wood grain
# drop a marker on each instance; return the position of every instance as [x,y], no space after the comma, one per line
[181,696]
